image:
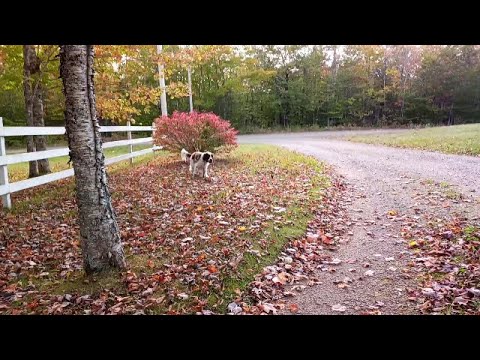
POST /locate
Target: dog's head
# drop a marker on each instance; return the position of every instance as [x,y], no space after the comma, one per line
[208,157]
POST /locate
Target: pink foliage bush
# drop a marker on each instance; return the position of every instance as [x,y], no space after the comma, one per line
[194,132]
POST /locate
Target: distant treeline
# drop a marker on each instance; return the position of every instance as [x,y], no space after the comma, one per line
[272,86]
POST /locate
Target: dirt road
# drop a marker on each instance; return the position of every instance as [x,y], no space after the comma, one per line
[381,179]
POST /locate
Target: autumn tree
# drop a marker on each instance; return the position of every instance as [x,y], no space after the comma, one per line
[99,231]
[126,85]
[33,92]
[265,86]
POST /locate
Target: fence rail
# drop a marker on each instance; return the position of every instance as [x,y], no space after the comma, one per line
[7,188]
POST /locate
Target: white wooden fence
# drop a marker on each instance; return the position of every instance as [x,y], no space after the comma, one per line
[7,188]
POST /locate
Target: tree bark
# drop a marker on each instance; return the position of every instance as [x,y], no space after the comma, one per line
[287,102]
[29,64]
[40,141]
[384,107]
[451,118]
[99,231]
[34,107]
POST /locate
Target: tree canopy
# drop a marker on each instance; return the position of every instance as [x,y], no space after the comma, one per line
[266,86]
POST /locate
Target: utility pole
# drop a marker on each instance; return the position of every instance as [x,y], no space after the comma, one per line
[190,87]
[163,96]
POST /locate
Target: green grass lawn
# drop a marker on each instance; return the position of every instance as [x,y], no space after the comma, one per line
[17,172]
[459,139]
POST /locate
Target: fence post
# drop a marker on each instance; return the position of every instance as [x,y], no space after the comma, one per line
[153,137]
[6,200]
[129,137]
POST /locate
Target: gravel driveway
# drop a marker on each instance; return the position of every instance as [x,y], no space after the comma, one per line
[381,179]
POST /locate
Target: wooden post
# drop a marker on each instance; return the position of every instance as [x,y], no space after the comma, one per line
[129,136]
[6,200]
[153,137]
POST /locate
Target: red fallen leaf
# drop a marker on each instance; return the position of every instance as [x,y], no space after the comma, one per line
[33,304]
[214,239]
[293,308]
[150,264]
[142,234]
[212,268]
[201,257]
[158,278]
[327,240]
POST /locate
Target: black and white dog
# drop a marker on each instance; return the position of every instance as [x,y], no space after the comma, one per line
[198,160]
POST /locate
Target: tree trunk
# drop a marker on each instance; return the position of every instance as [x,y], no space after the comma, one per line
[287,102]
[451,118]
[29,64]
[403,81]
[377,115]
[384,107]
[34,106]
[99,231]
[40,141]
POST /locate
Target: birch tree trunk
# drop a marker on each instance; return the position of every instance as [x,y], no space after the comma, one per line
[99,231]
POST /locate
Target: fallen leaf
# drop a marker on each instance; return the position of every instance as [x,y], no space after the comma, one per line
[212,269]
[183,296]
[293,308]
[339,307]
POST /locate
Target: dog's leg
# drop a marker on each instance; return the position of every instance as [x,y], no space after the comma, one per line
[205,171]
[191,165]
[194,170]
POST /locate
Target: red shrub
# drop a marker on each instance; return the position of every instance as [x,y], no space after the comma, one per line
[193,132]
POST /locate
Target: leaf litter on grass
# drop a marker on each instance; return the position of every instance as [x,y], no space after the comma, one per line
[184,239]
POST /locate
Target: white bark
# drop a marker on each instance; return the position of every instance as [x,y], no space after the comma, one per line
[99,232]
[161,73]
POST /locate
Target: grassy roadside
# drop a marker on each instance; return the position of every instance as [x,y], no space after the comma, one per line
[17,172]
[459,139]
[308,128]
[189,248]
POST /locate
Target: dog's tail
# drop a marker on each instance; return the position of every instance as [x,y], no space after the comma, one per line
[185,155]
